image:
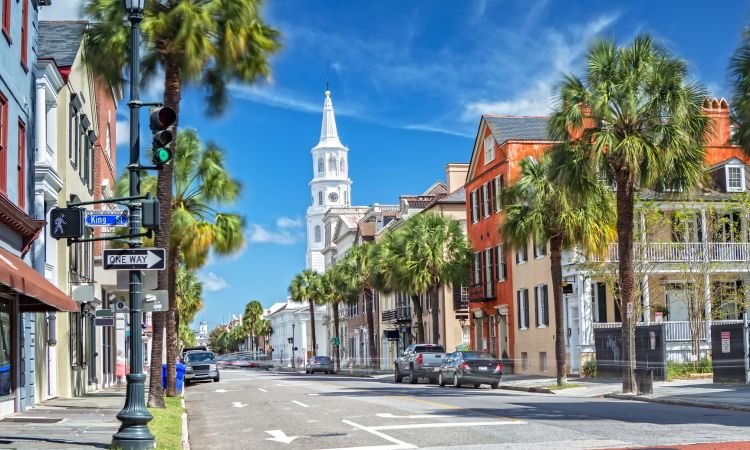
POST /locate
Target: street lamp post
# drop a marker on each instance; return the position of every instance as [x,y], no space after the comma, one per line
[294,354]
[134,433]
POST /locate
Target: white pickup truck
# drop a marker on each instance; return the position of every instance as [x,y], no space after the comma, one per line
[420,361]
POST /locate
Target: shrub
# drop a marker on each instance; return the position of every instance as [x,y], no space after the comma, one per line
[589,369]
[684,369]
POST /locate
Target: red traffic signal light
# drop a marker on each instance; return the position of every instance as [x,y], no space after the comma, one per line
[162,118]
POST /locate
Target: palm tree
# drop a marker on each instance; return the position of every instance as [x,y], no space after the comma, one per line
[740,71]
[635,118]
[204,42]
[263,330]
[540,209]
[304,286]
[201,184]
[253,312]
[358,266]
[189,295]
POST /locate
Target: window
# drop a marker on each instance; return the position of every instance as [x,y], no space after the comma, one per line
[321,166]
[522,295]
[320,197]
[735,179]
[599,299]
[522,254]
[25,34]
[486,205]
[108,140]
[342,165]
[498,191]
[489,149]
[21,164]
[333,167]
[502,270]
[6,20]
[5,345]
[346,198]
[540,249]
[489,269]
[317,233]
[474,207]
[541,297]
[3,143]
[524,361]
[543,361]
[477,268]
[86,160]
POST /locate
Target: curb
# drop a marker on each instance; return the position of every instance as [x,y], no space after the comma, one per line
[185,438]
[537,390]
[667,401]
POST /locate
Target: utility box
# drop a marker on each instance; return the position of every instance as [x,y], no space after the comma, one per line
[728,352]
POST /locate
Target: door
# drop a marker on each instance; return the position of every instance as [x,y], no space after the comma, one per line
[573,333]
[677,304]
[502,336]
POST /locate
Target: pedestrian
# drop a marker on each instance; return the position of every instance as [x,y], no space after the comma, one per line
[120,367]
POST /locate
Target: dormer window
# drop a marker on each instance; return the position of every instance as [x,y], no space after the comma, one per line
[489,149]
[735,178]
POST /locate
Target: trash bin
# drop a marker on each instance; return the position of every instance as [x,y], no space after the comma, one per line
[644,380]
[179,376]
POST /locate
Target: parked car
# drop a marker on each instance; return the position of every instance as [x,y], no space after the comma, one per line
[201,365]
[192,349]
[319,364]
[475,368]
[420,361]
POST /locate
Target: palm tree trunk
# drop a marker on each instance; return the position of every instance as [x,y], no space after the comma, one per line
[167,280]
[336,348]
[556,245]
[625,206]
[370,327]
[312,329]
[417,305]
[155,391]
[435,306]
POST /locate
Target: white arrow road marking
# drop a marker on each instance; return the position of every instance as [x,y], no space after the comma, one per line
[152,259]
[416,416]
[262,390]
[300,404]
[399,445]
[238,404]
[280,436]
[221,391]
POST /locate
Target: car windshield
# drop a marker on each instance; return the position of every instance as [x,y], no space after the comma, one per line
[477,355]
[200,357]
[429,349]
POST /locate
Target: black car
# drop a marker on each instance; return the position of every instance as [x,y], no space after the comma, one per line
[475,368]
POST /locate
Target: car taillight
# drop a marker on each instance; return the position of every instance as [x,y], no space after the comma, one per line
[465,367]
[419,359]
[499,368]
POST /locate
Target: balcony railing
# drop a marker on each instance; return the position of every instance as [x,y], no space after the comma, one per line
[674,330]
[681,252]
[461,299]
[480,293]
[398,314]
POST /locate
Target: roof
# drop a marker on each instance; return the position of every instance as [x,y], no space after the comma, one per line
[37,293]
[61,40]
[457,196]
[366,229]
[505,128]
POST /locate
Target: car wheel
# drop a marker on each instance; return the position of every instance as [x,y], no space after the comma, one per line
[216,380]
[412,377]
[477,385]
[397,377]
[456,381]
[495,385]
[441,381]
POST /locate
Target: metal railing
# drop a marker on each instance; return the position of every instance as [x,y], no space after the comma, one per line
[675,330]
[684,252]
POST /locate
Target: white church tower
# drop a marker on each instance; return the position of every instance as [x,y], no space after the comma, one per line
[330,185]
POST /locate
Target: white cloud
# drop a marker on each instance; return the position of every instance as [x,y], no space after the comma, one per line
[122,132]
[212,282]
[62,10]
[259,234]
[288,222]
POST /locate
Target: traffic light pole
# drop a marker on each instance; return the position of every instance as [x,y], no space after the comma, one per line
[134,432]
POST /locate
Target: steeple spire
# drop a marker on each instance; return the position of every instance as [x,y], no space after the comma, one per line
[329,135]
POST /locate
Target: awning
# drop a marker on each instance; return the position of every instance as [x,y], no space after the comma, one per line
[37,293]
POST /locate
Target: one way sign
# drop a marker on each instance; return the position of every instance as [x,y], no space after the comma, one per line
[134,259]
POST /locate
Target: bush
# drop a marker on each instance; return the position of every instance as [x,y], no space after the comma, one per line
[589,369]
[684,369]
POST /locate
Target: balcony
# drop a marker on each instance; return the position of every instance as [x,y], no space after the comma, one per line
[399,314]
[461,299]
[480,293]
[679,252]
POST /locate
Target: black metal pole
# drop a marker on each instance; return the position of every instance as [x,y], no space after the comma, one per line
[134,432]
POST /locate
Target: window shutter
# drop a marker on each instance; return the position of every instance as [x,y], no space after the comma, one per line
[537,302]
[545,299]
[520,306]
[491,188]
[601,291]
[526,304]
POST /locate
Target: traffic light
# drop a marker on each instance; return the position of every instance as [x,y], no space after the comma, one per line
[66,223]
[150,218]
[161,121]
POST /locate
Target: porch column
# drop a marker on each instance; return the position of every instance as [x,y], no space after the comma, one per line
[646,300]
[39,214]
[41,124]
[707,300]
[583,283]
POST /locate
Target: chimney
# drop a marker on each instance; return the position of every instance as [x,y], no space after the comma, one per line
[455,175]
[718,111]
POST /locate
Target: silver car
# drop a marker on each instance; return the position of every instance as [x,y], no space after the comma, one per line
[201,366]
[319,364]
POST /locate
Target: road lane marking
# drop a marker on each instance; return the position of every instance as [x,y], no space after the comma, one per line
[414,416]
[280,436]
[300,404]
[238,404]
[448,424]
[262,390]
[399,445]
[447,406]
[313,395]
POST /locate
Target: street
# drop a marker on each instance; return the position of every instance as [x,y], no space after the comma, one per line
[267,410]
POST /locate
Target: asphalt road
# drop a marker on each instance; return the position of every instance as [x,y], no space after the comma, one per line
[263,410]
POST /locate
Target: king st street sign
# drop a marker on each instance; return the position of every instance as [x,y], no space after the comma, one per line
[135,259]
[107,218]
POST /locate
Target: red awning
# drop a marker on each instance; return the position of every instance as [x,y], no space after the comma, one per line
[37,293]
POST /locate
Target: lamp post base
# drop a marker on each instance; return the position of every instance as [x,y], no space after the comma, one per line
[134,433]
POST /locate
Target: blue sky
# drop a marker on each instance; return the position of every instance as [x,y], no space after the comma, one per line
[409,80]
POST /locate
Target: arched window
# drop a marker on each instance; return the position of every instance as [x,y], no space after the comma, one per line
[320,197]
[342,164]
[333,166]
[321,166]
[317,233]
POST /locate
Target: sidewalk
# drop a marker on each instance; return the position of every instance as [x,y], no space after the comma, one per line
[82,422]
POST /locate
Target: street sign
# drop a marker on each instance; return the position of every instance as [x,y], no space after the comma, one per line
[104,313]
[725,342]
[135,259]
[104,321]
[66,223]
[630,310]
[121,304]
[107,218]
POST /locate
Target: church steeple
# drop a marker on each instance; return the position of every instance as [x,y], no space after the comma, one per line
[329,135]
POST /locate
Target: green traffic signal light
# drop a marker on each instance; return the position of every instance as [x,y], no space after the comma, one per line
[162,156]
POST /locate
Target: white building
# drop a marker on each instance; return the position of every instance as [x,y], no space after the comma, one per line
[289,320]
[330,186]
